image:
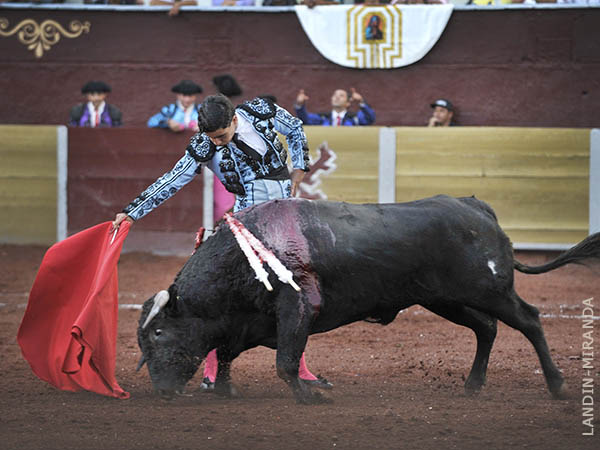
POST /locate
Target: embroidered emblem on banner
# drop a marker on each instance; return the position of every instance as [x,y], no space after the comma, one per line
[374,36]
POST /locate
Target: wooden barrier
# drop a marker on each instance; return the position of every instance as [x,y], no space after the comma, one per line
[537,180]
[29,184]
[357,150]
[109,167]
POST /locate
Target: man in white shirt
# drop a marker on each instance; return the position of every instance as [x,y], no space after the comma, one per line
[95,112]
[339,115]
[181,115]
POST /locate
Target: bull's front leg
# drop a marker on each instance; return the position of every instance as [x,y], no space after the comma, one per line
[294,318]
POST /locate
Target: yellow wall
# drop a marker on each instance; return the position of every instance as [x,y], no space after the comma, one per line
[537,180]
[357,148]
[28,184]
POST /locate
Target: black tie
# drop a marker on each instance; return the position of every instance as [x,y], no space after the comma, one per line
[246,148]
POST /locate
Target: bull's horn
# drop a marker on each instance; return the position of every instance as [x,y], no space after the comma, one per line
[160,300]
[141,363]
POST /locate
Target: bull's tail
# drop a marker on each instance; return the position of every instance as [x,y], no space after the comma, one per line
[587,249]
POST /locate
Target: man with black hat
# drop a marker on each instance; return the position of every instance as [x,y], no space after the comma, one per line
[95,112]
[181,115]
[443,112]
[227,85]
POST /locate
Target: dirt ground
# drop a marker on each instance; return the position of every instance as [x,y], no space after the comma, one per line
[399,386]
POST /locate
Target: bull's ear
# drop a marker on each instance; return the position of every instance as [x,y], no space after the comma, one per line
[172,308]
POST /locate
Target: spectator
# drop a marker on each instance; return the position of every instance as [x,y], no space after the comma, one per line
[233,2]
[281,2]
[443,113]
[227,85]
[176,4]
[339,115]
[181,115]
[95,112]
[426,2]
[487,2]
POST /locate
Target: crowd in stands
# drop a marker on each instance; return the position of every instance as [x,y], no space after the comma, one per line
[177,4]
[348,108]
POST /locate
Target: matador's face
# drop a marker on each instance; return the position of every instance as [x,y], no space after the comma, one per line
[223,136]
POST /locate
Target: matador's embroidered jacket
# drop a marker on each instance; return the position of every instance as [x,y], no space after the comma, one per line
[236,168]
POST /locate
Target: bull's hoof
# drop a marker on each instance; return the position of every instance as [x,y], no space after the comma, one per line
[320,383]
[473,387]
[473,390]
[314,398]
[560,391]
[182,393]
[226,390]
[166,395]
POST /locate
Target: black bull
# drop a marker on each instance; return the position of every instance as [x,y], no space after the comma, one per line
[352,262]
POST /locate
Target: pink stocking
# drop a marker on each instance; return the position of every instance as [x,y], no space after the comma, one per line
[211,365]
[223,200]
[303,371]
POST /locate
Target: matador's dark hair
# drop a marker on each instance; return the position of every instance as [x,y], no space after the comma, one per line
[216,112]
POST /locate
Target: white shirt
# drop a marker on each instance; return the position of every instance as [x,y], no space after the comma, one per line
[335,115]
[187,113]
[248,135]
[93,112]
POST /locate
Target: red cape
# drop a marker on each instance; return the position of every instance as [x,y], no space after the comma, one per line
[69,330]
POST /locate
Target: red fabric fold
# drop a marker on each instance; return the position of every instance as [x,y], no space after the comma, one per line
[69,331]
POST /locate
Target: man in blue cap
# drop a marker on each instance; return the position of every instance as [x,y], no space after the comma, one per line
[443,113]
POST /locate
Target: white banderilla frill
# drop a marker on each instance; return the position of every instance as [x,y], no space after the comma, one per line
[252,246]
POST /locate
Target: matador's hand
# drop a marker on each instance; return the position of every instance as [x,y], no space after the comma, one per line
[297,176]
[119,218]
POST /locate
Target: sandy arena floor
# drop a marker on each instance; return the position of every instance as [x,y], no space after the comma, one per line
[399,386]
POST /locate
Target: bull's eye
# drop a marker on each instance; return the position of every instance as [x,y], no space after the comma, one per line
[157,332]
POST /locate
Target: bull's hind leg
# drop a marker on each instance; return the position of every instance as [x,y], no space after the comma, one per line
[484,327]
[520,315]
[294,318]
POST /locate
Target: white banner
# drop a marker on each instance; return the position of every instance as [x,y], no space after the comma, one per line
[374,37]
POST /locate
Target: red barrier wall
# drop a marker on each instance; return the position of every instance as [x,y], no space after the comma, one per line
[519,67]
[107,168]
